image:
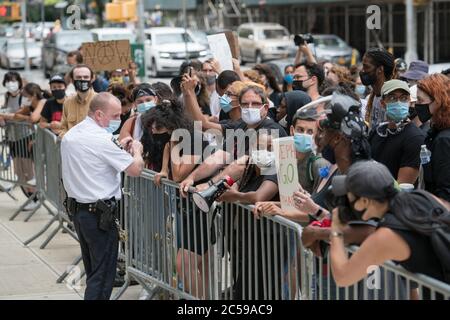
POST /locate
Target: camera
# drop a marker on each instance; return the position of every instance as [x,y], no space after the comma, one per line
[301,39]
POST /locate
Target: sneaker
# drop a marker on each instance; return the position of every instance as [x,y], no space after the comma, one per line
[119,280]
[32,182]
[6,186]
[31,206]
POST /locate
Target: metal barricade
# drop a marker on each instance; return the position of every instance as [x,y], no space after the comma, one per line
[17,160]
[225,254]
[384,282]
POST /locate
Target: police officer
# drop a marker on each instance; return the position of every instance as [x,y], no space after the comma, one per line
[92,161]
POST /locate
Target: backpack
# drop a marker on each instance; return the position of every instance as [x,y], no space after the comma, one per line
[436,226]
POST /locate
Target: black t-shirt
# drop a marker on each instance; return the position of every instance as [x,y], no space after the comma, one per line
[399,150]
[255,182]
[52,110]
[230,139]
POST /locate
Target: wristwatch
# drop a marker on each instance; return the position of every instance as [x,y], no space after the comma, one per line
[337,234]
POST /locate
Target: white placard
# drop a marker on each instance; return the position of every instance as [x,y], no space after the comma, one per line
[220,50]
[286,164]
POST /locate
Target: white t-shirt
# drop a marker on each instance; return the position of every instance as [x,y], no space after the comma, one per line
[138,131]
[92,163]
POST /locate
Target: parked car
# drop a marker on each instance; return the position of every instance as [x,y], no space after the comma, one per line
[13,54]
[259,42]
[332,48]
[57,45]
[109,34]
[165,49]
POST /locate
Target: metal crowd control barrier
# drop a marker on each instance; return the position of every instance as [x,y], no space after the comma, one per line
[17,161]
[29,152]
[385,282]
[226,254]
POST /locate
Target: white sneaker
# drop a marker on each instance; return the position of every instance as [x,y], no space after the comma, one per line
[32,182]
[6,186]
[31,206]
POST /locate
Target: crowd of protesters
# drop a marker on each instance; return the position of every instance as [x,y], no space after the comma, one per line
[359,134]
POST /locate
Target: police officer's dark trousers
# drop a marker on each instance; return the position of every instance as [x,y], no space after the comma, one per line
[99,250]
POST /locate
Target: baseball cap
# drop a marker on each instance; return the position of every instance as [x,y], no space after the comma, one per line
[418,70]
[393,85]
[369,179]
[57,78]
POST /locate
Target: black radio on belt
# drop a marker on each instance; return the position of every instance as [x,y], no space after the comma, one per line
[106,210]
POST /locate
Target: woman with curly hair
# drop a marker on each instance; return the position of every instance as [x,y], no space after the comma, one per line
[433,103]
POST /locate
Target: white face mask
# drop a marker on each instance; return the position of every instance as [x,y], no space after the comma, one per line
[12,86]
[26,102]
[251,116]
[263,158]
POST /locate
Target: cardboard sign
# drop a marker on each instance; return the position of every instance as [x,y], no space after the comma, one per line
[233,42]
[107,55]
[220,50]
[286,164]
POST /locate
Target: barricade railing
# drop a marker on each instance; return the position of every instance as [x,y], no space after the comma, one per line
[17,160]
[223,254]
[385,282]
[228,254]
[29,152]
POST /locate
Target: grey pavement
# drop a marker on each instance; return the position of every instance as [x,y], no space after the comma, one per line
[28,272]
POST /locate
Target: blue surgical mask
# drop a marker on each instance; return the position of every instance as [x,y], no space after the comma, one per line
[289,78]
[360,90]
[142,107]
[225,103]
[113,126]
[397,111]
[303,142]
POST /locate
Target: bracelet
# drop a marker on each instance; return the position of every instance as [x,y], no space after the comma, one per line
[337,234]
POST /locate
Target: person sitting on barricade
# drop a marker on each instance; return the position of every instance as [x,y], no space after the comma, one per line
[413,231]
[52,111]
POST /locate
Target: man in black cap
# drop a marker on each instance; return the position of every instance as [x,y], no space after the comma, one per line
[52,112]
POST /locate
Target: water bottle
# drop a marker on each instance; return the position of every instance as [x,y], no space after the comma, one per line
[425,155]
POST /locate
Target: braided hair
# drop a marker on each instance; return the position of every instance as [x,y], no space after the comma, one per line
[380,57]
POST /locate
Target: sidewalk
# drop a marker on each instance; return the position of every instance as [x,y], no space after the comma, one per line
[28,272]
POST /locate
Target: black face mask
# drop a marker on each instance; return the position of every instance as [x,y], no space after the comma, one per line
[423,112]
[125,116]
[328,154]
[82,85]
[412,113]
[347,212]
[59,94]
[160,139]
[298,85]
[367,79]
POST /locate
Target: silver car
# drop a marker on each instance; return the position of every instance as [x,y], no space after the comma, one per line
[259,42]
[13,54]
[332,48]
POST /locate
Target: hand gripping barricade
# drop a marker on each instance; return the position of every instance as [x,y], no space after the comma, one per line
[227,254]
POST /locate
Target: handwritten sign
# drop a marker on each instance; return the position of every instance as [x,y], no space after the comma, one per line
[107,55]
[220,49]
[286,164]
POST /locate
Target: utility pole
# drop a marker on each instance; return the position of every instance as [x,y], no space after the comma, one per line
[24,35]
[141,24]
[411,32]
[185,29]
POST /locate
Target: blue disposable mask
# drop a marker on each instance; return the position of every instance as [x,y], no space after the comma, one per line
[303,142]
[113,126]
[225,103]
[397,111]
[289,78]
[360,90]
[142,107]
